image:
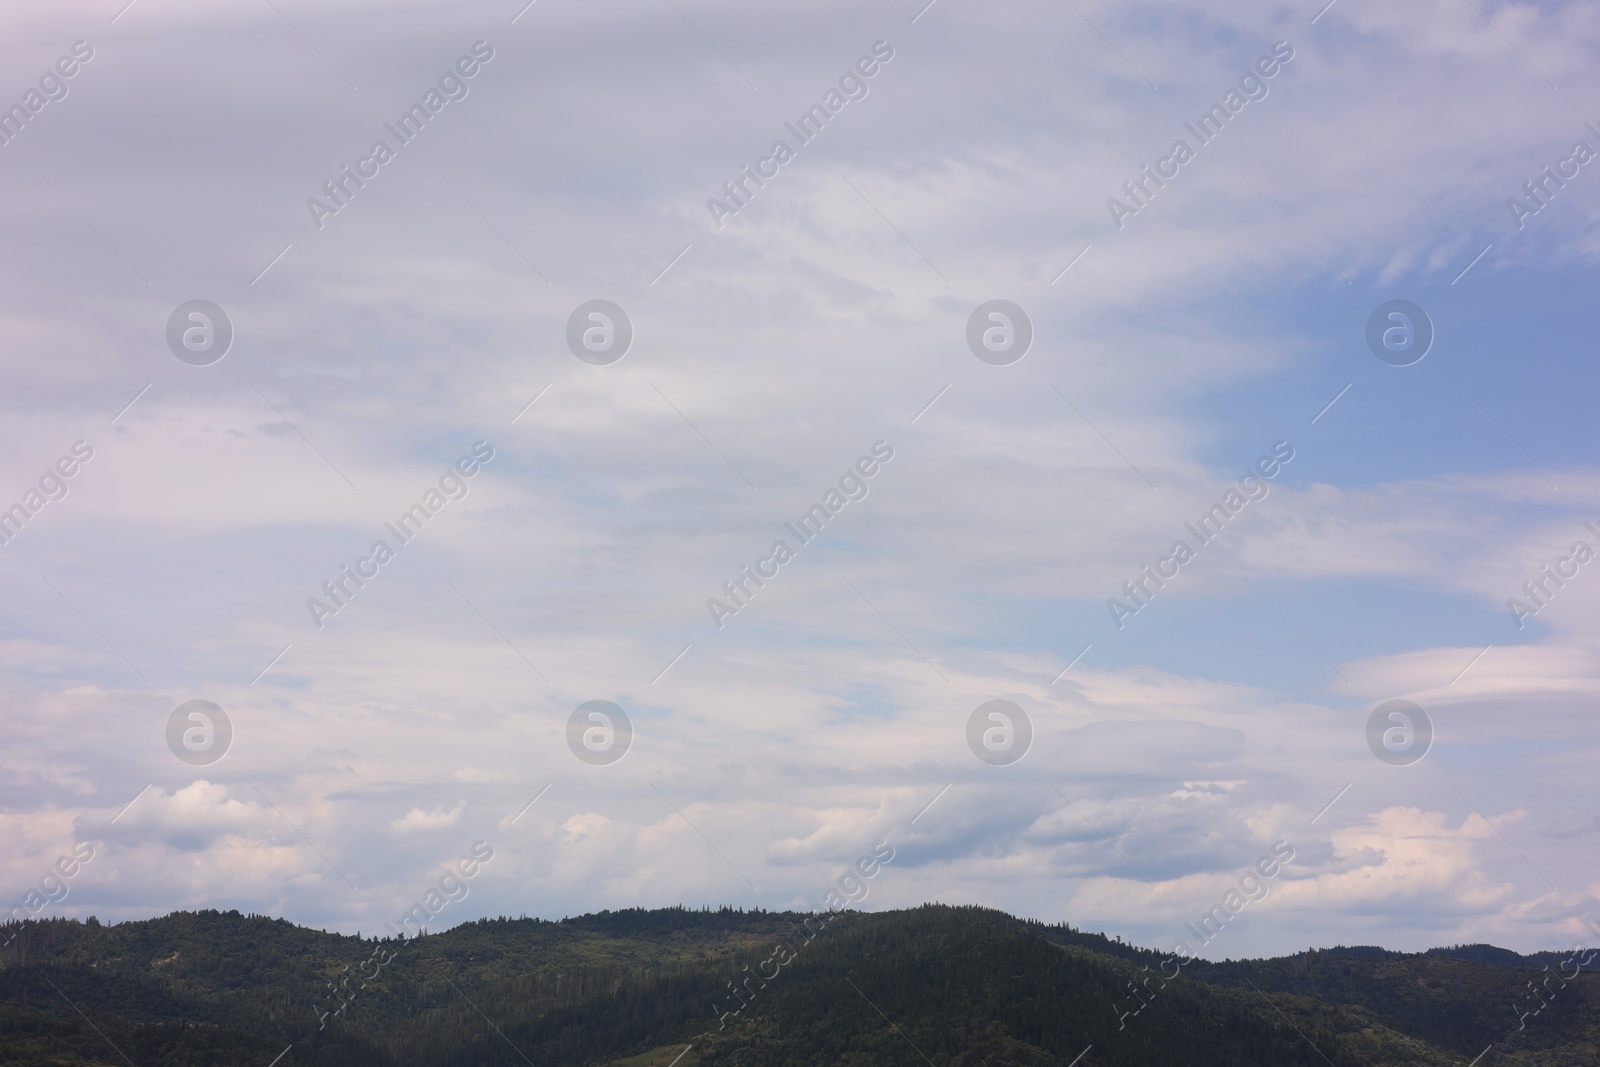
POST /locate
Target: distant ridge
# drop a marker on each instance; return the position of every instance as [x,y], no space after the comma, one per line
[941,985]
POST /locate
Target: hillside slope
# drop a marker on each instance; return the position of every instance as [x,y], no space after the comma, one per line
[940,985]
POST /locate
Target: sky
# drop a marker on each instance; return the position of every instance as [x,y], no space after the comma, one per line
[412,343]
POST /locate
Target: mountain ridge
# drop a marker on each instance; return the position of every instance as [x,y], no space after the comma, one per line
[939,983]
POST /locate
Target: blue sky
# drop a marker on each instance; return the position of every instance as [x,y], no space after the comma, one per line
[769,354]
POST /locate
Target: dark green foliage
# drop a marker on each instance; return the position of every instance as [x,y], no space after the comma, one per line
[957,987]
[1459,1005]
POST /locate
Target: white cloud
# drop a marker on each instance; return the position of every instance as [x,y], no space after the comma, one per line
[418,821]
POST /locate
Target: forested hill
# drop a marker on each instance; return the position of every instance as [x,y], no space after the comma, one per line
[936,985]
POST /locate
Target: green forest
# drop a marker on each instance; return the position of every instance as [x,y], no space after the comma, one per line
[935,985]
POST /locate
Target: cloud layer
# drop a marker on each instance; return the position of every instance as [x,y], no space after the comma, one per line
[772,347]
